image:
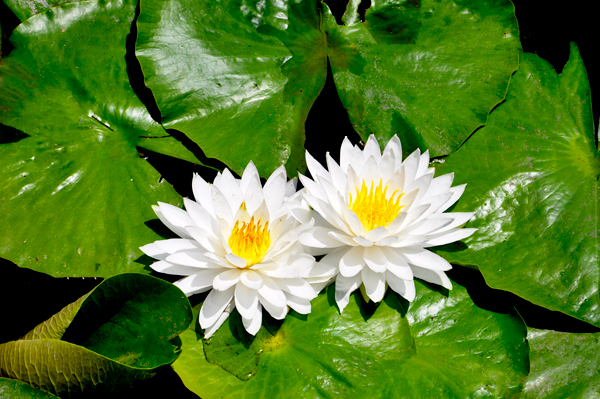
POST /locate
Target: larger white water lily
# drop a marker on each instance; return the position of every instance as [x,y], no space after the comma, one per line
[239,239]
[376,217]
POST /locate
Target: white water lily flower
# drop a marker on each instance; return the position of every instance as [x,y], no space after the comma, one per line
[376,217]
[239,240]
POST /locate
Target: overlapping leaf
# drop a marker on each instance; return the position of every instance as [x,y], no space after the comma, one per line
[13,389]
[532,175]
[75,191]
[121,332]
[427,70]
[442,346]
[563,365]
[237,77]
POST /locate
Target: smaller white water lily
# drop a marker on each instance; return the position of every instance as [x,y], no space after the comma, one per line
[376,217]
[239,240]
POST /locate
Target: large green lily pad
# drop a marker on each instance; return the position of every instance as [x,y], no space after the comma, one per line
[13,389]
[429,71]
[120,333]
[443,346]
[75,191]
[532,175]
[238,78]
[563,365]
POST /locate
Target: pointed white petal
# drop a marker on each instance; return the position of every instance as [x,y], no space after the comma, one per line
[422,185]
[409,240]
[394,147]
[194,259]
[449,236]
[201,217]
[411,164]
[213,329]
[249,173]
[344,286]
[384,242]
[370,173]
[374,284]
[358,159]
[338,177]
[221,205]
[253,325]
[154,251]
[236,260]
[362,241]
[271,291]
[346,154]
[343,238]
[352,262]
[253,196]
[291,187]
[274,189]
[199,282]
[405,288]
[300,305]
[372,148]
[375,259]
[427,226]
[317,171]
[459,219]
[426,259]
[397,264]
[318,237]
[170,268]
[251,279]
[433,276]
[440,185]
[174,218]
[423,164]
[313,188]
[456,193]
[377,234]
[277,311]
[227,279]
[206,240]
[386,166]
[298,287]
[230,187]
[214,304]
[246,300]
[202,193]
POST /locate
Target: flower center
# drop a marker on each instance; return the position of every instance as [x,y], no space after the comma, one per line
[250,241]
[373,208]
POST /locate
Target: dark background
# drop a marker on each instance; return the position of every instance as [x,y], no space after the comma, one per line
[546,27]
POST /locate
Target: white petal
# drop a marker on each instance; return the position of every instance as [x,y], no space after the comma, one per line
[422,185]
[170,268]
[338,177]
[435,204]
[251,279]
[174,218]
[230,187]
[394,147]
[394,227]
[386,166]
[196,283]
[374,284]
[274,189]
[313,188]
[221,205]
[362,241]
[332,259]
[372,149]
[271,291]
[397,264]
[358,159]
[206,240]
[456,193]
[202,193]
[377,234]
[327,213]
[253,196]
[440,185]
[219,260]
[303,262]
[249,173]
[236,260]
[318,237]
[459,219]
[370,173]
[433,276]
[343,238]
[227,279]
[427,226]
[411,164]
[291,187]
[201,217]
[300,305]
[213,329]
[352,262]
[194,259]
[246,300]
[253,325]
[317,171]
[344,286]
[375,259]
[154,251]
[277,311]
[346,154]
[214,304]
[405,288]
[423,164]
[384,242]
[298,287]
[353,222]
[449,236]
[426,259]
[409,240]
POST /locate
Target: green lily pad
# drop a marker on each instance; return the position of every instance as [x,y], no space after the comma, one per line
[442,346]
[25,9]
[532,175]
[75,191]
[563,365]
[13,389]
[429,71]
[122,332]
[237,78]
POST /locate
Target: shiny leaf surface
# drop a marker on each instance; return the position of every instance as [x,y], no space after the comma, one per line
[532,175]
[24,9]
[75,191]
[429,71]
[121,332]
[563,365]
[237,78]
[369,351]
[13,389]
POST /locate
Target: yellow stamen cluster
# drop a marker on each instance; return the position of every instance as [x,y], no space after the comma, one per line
[250,241]
[373,208]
